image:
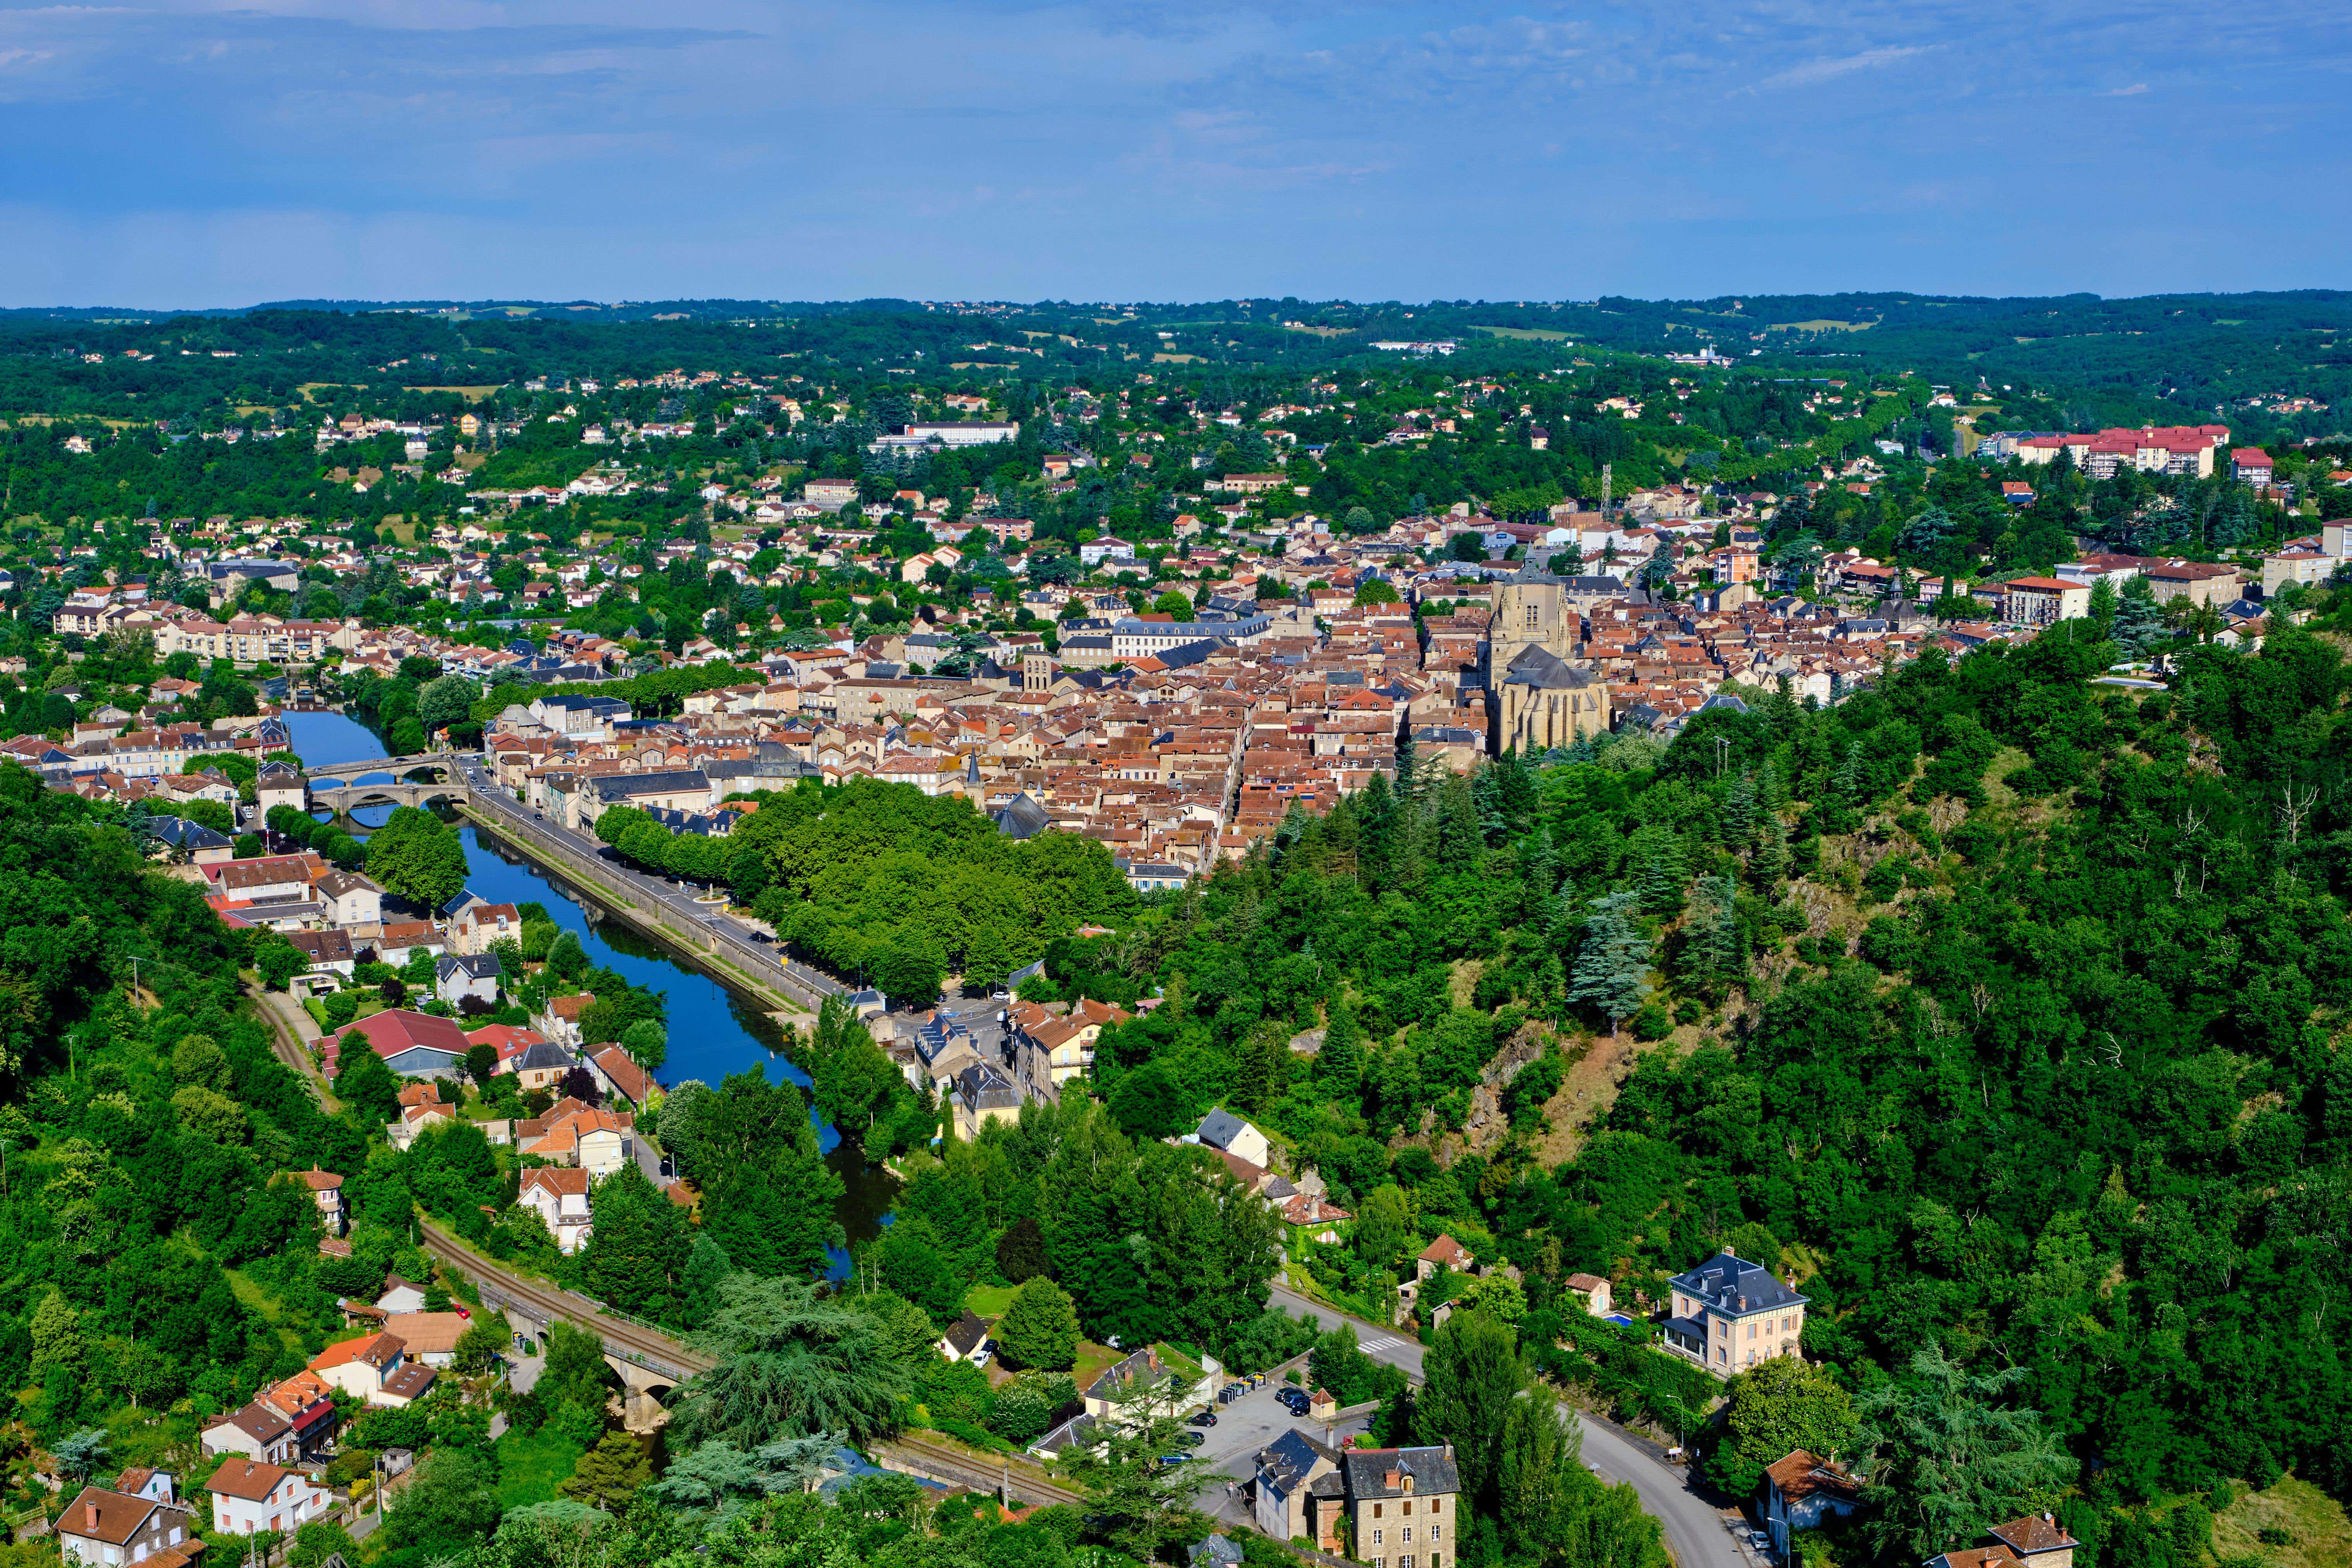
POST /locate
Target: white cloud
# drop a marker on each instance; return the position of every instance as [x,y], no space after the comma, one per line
[1815,72]
[2134,90]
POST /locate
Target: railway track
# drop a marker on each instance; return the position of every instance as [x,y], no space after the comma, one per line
[630,1342]
[969,1470]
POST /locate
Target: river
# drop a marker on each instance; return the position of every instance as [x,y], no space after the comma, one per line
[712,1032]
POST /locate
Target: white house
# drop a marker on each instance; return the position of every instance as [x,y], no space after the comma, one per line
[249,1497]
[1221,1128]
[131,1521]
[561,1197]
[327,1187]
[458,976]
[1801,1490]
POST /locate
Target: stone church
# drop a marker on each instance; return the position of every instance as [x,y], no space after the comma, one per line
[1538,698]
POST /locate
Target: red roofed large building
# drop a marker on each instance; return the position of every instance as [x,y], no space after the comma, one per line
[2043,601]
[414,1045]
[2151,448]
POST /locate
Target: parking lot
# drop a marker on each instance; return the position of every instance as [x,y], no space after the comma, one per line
[1252,1421]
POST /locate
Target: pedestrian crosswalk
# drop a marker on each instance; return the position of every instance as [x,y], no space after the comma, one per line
[1378,1344]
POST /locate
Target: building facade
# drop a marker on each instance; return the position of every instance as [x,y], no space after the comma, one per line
[1730,1314]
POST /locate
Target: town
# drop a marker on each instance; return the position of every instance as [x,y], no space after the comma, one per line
[1482,936]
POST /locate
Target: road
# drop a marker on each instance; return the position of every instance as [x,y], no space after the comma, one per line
[807,986]
[1697,1530]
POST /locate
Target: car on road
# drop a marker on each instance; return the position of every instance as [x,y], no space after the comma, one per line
[1762,1541]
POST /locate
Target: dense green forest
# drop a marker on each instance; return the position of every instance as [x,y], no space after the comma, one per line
[2012,1026]
[2176,354]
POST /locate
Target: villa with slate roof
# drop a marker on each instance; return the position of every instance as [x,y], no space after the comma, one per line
[1728,1314]
[1390,1507]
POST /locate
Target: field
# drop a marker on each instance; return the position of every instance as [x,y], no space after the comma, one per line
[1822,326]
[2319,1533]
[1527,334]
[530,1468]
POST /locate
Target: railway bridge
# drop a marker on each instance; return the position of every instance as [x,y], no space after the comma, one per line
[649,1363]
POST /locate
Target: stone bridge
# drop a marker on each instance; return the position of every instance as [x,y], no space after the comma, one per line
[396,781]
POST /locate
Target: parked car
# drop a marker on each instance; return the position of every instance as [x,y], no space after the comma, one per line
[1204,1418]
[1193,1439]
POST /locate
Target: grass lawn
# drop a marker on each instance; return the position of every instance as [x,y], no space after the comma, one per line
[530,1468]
[2319,1530]
[1092,1362]
[989,1301]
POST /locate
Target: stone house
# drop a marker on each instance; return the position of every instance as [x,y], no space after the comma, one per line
[1728,1314]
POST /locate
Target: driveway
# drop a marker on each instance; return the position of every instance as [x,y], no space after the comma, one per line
[1697,1531]
[1244,1427]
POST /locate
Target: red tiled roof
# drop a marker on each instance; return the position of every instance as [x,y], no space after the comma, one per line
[248,1479]
[398,1029]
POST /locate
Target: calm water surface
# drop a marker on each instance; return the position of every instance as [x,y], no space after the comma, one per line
[712,1032]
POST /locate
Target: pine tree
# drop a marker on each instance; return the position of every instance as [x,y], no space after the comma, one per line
[1612,967]
[706,1264]
[1461,827]
[1712,933]
[1540,866]
[1663,868]
[1563,929]
[1772,859]
[1739,810]
[1848,782]
[1486,796]
[1021,1251]
[1340,1062]
[609,1474]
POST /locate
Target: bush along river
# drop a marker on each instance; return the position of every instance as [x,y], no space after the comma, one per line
[712,1031]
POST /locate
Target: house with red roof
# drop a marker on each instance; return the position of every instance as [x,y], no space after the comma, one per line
[412,1043]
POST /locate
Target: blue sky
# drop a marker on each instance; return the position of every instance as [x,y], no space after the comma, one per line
[161,155]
